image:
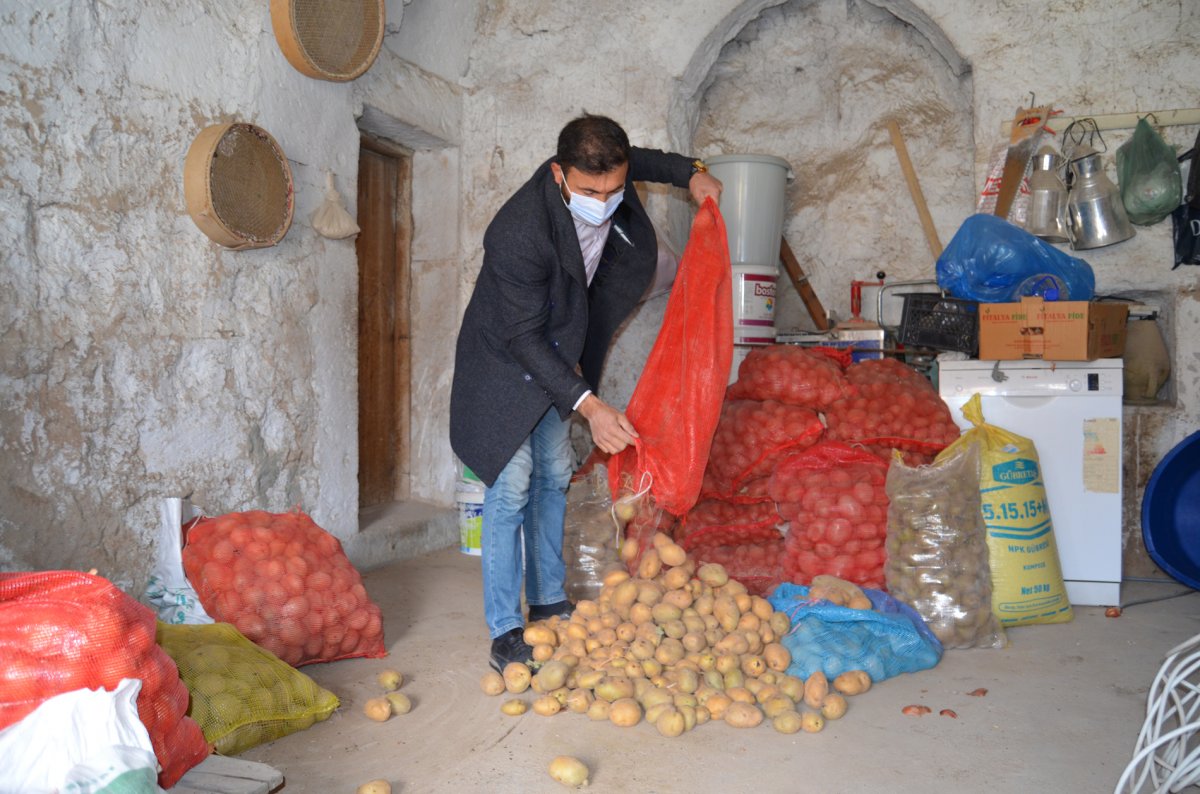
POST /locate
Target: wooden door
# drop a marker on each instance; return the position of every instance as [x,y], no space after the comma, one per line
[384,348]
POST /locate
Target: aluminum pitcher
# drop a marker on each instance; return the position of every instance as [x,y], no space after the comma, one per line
[1096,215]
[1047,198]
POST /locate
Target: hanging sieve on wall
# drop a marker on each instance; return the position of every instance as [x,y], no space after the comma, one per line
[238,186]
[327,40]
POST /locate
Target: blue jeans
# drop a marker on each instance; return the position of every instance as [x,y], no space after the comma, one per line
[527,503]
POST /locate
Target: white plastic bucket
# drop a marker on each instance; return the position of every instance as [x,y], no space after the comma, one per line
[754,304]
[468,497]
[752,205]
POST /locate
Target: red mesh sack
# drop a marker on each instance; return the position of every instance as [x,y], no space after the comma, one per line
[285,584]
[864,568]
[753,435]
[640,518]
[834,498]
[789,374]
[64,630]
[758,566]
[715,522]
[677,400]
[895,408]
[749,492]
[886,370]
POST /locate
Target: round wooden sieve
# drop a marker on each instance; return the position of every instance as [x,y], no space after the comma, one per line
[327,40]
[237,186]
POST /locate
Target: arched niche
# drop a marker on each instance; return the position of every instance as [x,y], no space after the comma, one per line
[849,212]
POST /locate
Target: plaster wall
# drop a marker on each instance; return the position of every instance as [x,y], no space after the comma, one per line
[140,360]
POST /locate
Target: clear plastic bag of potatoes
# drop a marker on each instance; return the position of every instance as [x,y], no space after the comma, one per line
[591,541]
[937,549]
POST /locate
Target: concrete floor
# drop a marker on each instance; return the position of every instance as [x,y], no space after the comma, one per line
[1062,712]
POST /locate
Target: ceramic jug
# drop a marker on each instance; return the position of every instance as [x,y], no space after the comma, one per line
[1147,363]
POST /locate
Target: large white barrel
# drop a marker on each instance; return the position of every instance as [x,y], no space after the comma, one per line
[754,304]
[752,205]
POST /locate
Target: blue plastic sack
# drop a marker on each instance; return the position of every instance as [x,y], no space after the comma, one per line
[993,261]
[889,639]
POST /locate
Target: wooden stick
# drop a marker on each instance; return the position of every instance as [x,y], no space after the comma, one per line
[800,281]
[914,188]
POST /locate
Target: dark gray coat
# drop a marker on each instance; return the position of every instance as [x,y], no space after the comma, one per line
[532,317]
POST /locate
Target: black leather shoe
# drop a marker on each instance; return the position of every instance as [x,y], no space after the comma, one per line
[510,647]
[562,609]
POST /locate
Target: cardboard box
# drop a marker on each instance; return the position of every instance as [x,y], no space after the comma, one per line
[1055,330]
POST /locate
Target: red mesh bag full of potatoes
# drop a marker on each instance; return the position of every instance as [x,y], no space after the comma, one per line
[758,565]
[64,630]
[753,435]
[808,377]
[749,492]
[285,584]
[716,522]
[895,407]
[835,500]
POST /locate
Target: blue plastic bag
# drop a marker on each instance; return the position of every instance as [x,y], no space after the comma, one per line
[889,639]
[993,261]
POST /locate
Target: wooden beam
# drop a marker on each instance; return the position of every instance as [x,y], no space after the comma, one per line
[800,281]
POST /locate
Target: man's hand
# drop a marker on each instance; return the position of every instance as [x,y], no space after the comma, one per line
[702,185]
[611,430]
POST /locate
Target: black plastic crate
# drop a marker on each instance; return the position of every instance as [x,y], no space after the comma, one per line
[940,323]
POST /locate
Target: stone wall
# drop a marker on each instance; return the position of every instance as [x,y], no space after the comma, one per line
[140,360]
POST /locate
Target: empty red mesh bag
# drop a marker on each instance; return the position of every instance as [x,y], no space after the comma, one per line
[895,408]
[753,435]
[285,584]
[677,400]
[835,500]
[811,378]
[758,565]
[716,522]
[65,630]
[646,519]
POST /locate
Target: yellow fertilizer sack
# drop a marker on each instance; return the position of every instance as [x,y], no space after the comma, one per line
[242,695]
[1027,582]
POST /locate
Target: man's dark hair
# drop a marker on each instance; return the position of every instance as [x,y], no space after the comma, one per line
[592,144]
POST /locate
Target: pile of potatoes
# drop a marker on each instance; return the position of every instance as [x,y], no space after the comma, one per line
[676,646]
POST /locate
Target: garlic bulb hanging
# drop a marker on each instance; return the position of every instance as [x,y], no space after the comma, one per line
[331,219]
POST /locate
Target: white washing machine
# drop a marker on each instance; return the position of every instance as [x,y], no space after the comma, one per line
[1071,410]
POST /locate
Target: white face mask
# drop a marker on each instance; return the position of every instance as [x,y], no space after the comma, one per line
[590,210]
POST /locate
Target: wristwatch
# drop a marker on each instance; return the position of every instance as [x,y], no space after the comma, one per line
[698,167]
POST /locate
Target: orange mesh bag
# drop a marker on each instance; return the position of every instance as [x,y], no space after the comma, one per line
[285,584]
[749,492]
[640,519]
[895,408]
[757,565]
[752,436]
[63,630]
[717,522]
[677,400]
[808,377]
[835,500]
[886,370]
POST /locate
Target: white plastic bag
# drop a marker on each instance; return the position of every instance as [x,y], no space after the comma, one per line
[90,741]
[168,590]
